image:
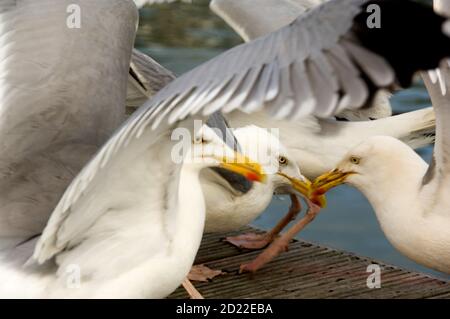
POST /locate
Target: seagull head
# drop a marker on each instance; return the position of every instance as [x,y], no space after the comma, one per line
[375,162]
[284,176]
[210,150]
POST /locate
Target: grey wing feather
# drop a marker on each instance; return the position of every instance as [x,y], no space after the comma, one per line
[438,86]
[260,69]
[146,78]
[218,121]
[255,18]
[141,3]
[48,86]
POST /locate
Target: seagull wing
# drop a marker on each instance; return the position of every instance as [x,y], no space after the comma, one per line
[141,3]
[54,114]
[146,77]
[323,62]
[438,86]
[254,18]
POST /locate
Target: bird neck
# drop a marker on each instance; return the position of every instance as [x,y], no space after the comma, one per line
[391,192]
[190,219]
[259,196]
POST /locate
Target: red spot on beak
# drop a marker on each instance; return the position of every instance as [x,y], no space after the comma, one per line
[253,177]
[319,192]
[316,201]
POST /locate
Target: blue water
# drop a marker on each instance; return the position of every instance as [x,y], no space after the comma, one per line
[182,36]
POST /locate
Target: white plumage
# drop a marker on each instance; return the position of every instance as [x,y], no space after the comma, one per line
[227,209]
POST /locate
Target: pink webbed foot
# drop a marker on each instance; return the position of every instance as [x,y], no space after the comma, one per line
[250,241]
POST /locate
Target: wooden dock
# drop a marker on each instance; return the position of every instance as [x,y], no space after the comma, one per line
[307,271]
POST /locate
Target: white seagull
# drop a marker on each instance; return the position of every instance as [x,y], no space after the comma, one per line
[409,197]
[230,206]
[133,230]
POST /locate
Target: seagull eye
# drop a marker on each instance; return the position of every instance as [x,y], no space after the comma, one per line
[355,160]
[282,160]
[198,140]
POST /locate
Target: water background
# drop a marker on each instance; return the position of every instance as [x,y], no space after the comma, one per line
[182,36]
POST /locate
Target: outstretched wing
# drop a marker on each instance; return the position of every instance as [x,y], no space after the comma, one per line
[255,18]
[323,62]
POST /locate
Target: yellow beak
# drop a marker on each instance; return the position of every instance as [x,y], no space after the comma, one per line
[242,165]
[304,187]
[327,181]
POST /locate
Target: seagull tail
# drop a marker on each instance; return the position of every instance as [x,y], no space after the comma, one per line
[422,131]
[415,128]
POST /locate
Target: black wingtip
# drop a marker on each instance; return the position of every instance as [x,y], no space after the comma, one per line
[410,36]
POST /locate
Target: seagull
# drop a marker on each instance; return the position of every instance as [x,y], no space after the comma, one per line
[86,231]
[229,208]
[410,198]
[408,195]
[90,238]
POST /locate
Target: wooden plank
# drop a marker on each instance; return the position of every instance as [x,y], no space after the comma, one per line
[306,271]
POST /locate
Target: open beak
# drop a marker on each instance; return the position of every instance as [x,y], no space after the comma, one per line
[304,187]
[327,181]
[242,165]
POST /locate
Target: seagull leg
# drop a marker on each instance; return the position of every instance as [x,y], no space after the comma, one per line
[203,273]
[193,293]
[281,244]
[259,241]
